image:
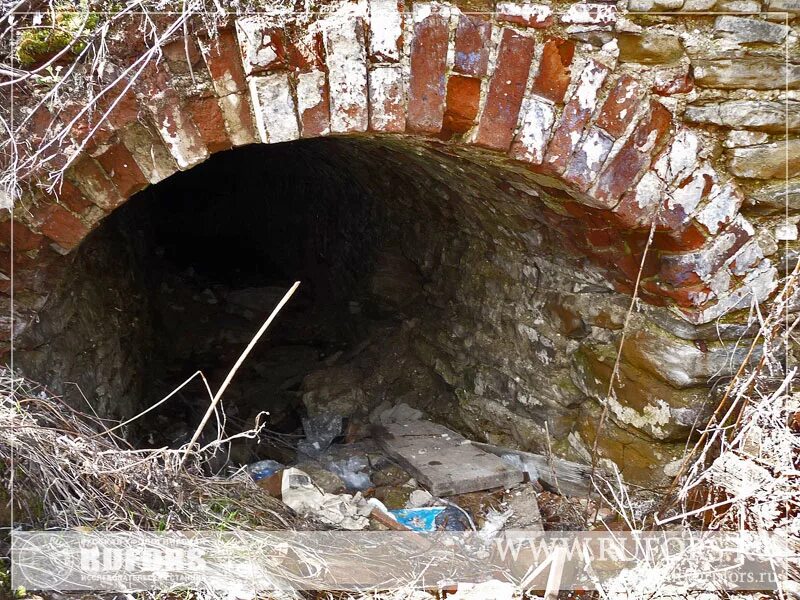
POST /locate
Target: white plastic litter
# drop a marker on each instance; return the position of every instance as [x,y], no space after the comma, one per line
[518,463]
[385,413]
[353,471]
[494,522]
[301,495]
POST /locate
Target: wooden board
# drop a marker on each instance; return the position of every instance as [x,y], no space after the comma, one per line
[562,476]
[442,460]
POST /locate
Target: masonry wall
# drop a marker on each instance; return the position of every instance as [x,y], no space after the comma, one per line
[620,123]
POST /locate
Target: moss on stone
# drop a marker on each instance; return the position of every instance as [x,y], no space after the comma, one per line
[67,25]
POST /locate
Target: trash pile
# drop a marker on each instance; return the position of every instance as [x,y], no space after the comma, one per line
[402,472]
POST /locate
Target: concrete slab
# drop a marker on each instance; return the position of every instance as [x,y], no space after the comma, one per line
[442,460]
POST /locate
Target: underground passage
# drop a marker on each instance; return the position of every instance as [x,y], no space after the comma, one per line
[428,278]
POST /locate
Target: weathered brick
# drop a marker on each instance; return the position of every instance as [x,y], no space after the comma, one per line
[90,178]
[526,14]
[121,105]
[683,269]
[624,169]
[679,84]
[24,238]
[224,63]
[619,108]
[689,237]
[679,158]
[387,110]
[577,113]
[426,94]
[122,169]
[261,43]
[681,203]
[722,206]
[386,30]
[312,103]
[506,90]
[534,130]
[463,101]
[347,76]
[149,152]
[473,40]
[584,166]
[61,226]
[238,119]
[584,13]
[207,115]
[638,206]
[183,56]
[71,197]
[274,108]
[554,74]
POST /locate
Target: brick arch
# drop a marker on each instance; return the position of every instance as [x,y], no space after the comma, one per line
[597,144]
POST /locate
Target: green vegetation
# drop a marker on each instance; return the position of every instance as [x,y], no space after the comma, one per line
[70,26]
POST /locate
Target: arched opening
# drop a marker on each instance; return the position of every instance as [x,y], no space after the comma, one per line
[430,277]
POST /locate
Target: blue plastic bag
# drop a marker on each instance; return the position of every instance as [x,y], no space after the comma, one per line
[263,469]
[419,519]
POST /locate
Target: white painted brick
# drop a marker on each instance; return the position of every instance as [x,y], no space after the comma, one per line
[274,108]
[536,123]
[347,75]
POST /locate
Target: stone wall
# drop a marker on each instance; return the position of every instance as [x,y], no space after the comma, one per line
[574,132]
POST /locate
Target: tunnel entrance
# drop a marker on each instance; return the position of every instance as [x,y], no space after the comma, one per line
[431,276]
[218,246]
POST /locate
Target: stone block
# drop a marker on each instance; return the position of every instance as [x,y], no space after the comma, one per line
[649,48]
[747,72]
[506,90]
[745,30]
[442,460]
[761,115]
[766,161]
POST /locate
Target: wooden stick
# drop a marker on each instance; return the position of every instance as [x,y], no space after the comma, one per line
[232,372]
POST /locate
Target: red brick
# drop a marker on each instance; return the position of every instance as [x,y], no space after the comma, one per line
[183,56]
[506,90]
[121,105]
[71,197]
[473,40]
[601,238]
[682,84]
[315,120]
[225,63]
[554,74]
[427,87]
[90,178]
[61,226]
[122,169]
[689,238]
[87,127]
[619,108]
[626,167]
[463,100]
[577,113]
[305,51]
[208,118]
[24,238]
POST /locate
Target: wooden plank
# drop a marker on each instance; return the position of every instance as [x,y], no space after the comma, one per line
[442,460]
[563,476]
